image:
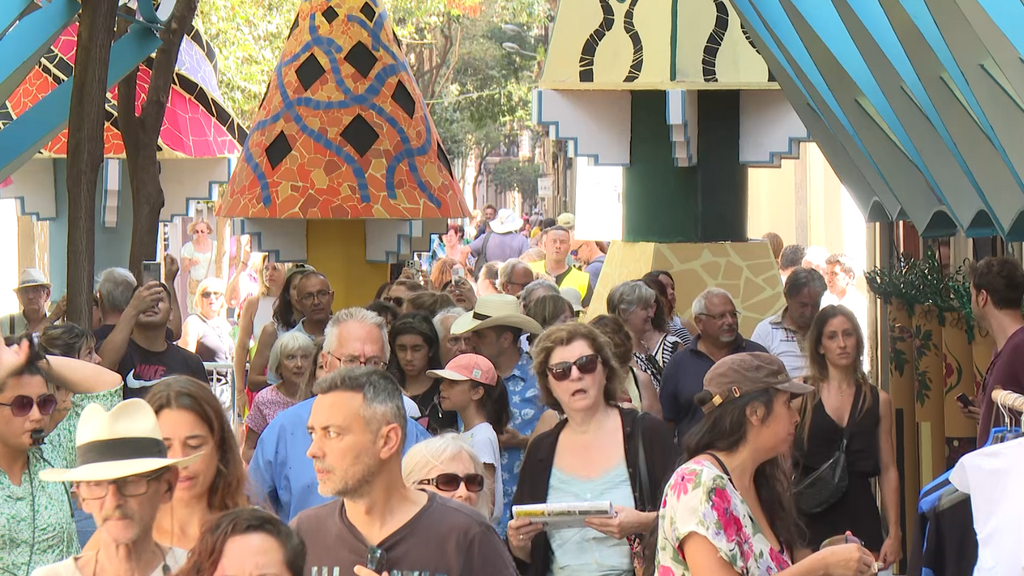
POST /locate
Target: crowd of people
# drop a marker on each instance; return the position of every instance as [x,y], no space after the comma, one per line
[401,437]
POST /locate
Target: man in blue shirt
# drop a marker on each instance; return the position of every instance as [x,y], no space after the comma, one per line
[716,317]
[282,476]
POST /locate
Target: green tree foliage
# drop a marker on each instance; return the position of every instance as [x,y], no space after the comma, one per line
[517,176]
[477,92]
[249,37]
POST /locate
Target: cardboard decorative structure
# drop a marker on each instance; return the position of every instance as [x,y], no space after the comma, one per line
[343,131]
[747,270]
[196,125]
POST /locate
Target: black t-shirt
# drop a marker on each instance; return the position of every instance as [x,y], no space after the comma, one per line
[142,368]
[445,538]
[560,277]
[103,332]
[432,417]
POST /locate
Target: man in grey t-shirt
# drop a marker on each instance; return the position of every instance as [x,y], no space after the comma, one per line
[357,425]
[502,241]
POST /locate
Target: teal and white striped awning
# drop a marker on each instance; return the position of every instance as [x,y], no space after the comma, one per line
[916,103]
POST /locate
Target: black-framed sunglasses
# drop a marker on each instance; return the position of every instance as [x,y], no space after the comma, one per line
[450,482]
[561,371]
[398,301]
[21,405]
[209,294]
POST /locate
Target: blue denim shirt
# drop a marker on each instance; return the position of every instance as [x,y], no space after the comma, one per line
[282,476]
[524,399]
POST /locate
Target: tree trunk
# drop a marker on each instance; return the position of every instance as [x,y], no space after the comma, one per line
[142,133]
[85,152]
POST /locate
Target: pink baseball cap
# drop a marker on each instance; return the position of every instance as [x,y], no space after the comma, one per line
[468,367]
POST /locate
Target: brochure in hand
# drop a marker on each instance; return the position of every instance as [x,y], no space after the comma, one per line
[564,515]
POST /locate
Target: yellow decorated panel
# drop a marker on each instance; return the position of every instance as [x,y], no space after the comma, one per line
[651,44]
[746,269]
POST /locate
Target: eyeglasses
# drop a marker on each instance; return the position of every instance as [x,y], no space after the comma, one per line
[22,405]
[399,302]
[350,361]
[209,294]
[450,482]
[128,487]
[313,296]
[719,317]
[585,364]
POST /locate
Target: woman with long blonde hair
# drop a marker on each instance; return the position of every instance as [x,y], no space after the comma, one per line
[197,258]
[844,405]
[208,334]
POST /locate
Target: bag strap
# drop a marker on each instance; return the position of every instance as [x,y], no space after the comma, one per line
[725,469]
[849,419]
[645,488]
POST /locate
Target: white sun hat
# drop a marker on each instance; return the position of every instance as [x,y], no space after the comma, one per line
[123,442]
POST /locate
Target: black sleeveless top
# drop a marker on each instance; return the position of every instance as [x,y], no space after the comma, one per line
[856,511]
[825,435]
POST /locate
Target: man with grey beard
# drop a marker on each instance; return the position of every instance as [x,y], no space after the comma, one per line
[715,316]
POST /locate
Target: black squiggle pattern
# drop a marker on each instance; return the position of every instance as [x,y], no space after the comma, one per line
[709,59]
[637,65]
[771,77]
[590,45]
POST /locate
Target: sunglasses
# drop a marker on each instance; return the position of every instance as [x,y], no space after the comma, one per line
[212,294]
[22,405]
[450,482]
[398,301]
[585,364]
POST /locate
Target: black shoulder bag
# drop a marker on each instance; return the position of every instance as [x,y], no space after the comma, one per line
[826,485]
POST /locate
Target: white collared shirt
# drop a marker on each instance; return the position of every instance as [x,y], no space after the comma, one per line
[783,342]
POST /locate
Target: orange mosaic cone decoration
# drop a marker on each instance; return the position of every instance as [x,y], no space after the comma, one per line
[342,131]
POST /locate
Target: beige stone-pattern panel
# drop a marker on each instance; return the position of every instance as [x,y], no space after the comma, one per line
[747,270]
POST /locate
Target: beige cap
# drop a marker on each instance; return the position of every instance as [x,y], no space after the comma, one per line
[747,372]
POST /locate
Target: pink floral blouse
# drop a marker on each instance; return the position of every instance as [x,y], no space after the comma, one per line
[700,499]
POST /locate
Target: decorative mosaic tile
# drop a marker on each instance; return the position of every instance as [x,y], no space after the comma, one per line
[196,124]
[343,131]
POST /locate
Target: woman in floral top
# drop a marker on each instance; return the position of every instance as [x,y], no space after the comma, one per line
[729,510]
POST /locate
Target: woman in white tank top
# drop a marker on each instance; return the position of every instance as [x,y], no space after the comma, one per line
[257,312]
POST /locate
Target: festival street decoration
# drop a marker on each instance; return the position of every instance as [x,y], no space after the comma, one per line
[343,131]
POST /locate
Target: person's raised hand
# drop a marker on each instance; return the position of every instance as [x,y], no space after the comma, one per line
[171,268]
[146,297]
[12,358]
[846,560]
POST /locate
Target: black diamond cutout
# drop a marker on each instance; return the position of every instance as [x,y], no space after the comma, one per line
[330,14]
[278,149]
[367,11]
[444,159]
[404,99]
[309,71]
[360,135]
[361,58]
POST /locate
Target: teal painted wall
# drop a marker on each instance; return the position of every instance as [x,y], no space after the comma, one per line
[704,203]
[112,244]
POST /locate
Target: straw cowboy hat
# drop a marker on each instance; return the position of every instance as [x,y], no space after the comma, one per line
[31,277]
[123,442]
[495,310]
[506,221]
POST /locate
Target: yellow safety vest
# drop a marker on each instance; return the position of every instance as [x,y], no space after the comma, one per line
[576,278]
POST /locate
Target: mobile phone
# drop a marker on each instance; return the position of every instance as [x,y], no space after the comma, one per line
[152,271]
[964,400]
[458,272]
[412,265]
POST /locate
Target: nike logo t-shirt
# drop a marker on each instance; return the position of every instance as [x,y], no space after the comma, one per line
[142,368]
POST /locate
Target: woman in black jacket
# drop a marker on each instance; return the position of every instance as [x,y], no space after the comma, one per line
[598,452]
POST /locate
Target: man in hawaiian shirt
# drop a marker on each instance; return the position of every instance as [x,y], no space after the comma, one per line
[495,327]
